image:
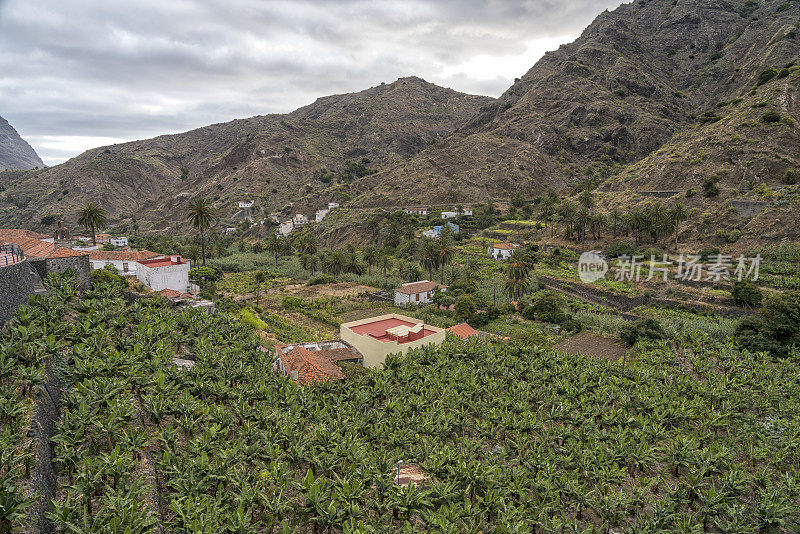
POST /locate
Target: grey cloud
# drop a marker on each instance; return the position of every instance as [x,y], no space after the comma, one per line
[129,70]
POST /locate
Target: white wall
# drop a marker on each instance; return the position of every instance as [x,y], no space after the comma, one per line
[401,299]
[119,264]
[175,277]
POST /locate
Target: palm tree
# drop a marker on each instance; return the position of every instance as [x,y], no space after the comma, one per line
[444,252]
[275,246]
[384,262]
[517,274]
[92,217]
[616,218]
[200,213]
[428,256]
[678,214]
[586,199]
[370,254]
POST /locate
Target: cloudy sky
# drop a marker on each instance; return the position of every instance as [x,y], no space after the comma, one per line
[76,74]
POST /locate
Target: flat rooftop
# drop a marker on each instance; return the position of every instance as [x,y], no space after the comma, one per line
[378,330]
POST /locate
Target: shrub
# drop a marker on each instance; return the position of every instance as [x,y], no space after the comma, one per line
[707,253]
[321,279]
[108,277]
[47,220]
[734,236]
[746,294]
[771,117]
[791,177]
[766,76]
[710,187]
[205,275]
[691,192]
[464,307]
[620,248]
[776,328]
[642,329]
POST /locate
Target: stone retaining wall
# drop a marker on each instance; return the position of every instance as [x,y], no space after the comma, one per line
[16,285]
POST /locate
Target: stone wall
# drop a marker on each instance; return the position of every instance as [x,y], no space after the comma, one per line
[79,264]
[16,285]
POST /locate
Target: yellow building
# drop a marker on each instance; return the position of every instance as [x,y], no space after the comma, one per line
[377,337]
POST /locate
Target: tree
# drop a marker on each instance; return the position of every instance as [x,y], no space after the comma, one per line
[428,256]
[370,254]
[92,217]
[678,214]
[517,274]
[260,278]
[275,246]
[464,307]
[586,199]
[201,214]
[746,294]
[384,262]
[444,251]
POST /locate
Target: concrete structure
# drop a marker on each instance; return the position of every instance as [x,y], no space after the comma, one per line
[312,362]
[245,204]
[167,273]
[377,337]
[103,238]
[124,261]
[454,227]
[285,228]
[120,241]
[502,251]
[415,293]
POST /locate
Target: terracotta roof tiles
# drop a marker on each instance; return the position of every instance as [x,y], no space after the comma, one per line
[463,330]
[419,287]
[310,366]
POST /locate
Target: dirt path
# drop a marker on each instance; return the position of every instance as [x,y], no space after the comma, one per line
[684,357]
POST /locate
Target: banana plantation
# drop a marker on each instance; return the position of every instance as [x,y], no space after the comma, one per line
[514,438]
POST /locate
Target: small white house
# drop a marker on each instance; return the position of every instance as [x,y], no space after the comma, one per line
[285,228]
[321,214]
[415,293]
[502,251]
[230,230]
[417,211]
[300,219]
[120,241]
[171,272]
[453,214]
[245,204]
[332,205]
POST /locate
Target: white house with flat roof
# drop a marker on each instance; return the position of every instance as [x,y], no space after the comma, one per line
[377,337]
[119,241]
[171,272]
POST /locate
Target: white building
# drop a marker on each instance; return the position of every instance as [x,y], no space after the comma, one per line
[120,241]
[245,204]
[300,219]
[502,251]
[453,214]
[417,211]
[285,228]
[415,293]
[332,205]
[166,273]
[321,214]
[125,261]
[230,230]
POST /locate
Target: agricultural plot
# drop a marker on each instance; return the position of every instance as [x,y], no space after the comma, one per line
[516,438]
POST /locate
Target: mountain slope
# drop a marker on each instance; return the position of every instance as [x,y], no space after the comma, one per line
[15,153]
[273,158]
[635,78]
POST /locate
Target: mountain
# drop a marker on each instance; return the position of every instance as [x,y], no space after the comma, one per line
[15,153]
[274,159]
[642,82]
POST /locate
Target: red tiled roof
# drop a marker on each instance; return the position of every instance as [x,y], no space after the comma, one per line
[463,331]
[12,235]
[311,366]
[163,262]
[33,247]
[505,246]
[419,287]
[340,355]
[169,293]
[122,255]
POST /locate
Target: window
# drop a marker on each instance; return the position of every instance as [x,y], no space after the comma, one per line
[124,267]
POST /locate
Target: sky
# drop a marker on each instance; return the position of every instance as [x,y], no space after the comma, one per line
[77,74]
